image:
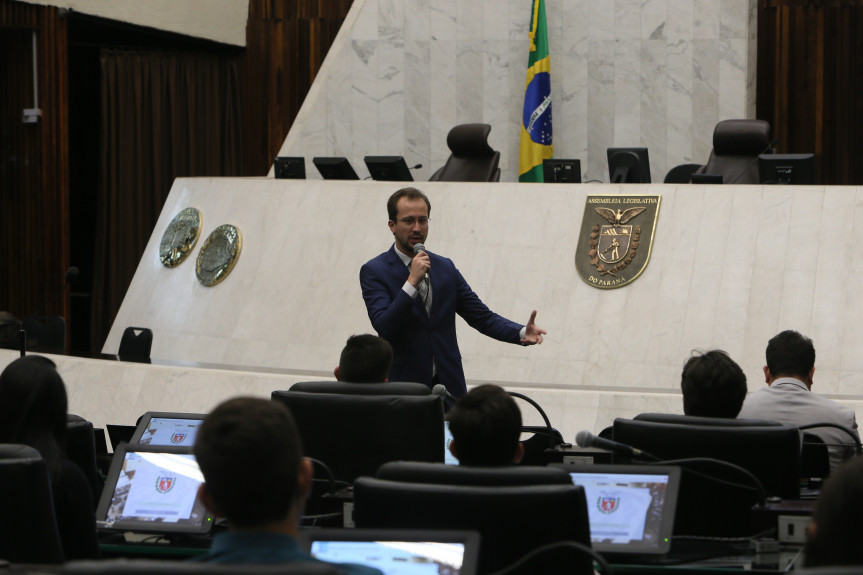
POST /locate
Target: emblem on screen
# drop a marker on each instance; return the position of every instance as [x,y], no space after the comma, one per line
[178,437]
[165,483]
[608,505]
[612,252]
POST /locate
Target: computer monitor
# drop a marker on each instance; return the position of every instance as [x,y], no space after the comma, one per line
[561,171]
[335,168]
[153,489]
[168,428]
[628,165]
[388,168]
[797,169]
[290,168]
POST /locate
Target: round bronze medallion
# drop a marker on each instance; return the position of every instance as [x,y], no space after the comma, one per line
[218,255]
[180,237]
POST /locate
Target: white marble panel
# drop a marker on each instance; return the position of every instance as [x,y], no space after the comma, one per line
[391,20]
[366,26]
[391,102]
[417,20]
[733,64]
[680,21]
[654,20]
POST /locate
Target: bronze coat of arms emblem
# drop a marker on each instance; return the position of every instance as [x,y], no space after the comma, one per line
[615,239]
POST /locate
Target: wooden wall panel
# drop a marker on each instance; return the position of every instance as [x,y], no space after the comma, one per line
[810,77]
[34,168]
[287,41]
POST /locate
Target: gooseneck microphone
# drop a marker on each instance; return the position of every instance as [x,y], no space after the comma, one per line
[587,439]
[441,391]
[753,162]
[416,167]
[548,428]
[71,275]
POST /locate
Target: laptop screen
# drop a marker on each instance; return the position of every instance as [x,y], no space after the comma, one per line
[153,489]
[448,457]
[158,428]
[396,552]
[630,507]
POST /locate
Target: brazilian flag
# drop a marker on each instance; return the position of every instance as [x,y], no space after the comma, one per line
[536,119]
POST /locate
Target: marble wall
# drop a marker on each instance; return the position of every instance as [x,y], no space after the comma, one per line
[655,73]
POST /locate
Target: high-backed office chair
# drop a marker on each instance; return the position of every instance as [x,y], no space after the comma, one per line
[388,388]
[46,333]
[814,458]
[681,174]
[736,147]
[512,518]
[421,472]
[472,159]
[149,566]
[135,345]
[80,448]
[28,528]
[769,451]
[356,434]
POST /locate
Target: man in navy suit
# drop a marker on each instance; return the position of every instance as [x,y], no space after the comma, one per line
[412,299]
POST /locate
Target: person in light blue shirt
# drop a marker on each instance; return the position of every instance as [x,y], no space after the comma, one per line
[250,455]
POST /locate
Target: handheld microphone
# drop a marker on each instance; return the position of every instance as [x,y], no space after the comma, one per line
[420,248]
[752,163]
[71,275]
[587,439]
[441,391]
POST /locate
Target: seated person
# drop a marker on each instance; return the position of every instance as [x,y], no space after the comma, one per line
[485,425]
[833,536]
[255,475]
[365,358]
[33,405]
[713,385]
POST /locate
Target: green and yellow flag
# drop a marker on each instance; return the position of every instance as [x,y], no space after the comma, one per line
[536,119]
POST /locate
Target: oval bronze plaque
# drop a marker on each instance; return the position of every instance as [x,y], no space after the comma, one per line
[180,237]
[218,255]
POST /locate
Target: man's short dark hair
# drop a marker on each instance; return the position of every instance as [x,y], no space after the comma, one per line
[837,531]
[485,425]
[249,452]
[790,354]
[409,193]
[365,358]
[713,385]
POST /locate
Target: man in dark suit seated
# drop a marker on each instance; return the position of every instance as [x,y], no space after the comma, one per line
[485,425]
[713,385]
[365,358]
[255,475]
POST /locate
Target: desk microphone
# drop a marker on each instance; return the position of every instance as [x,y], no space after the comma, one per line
[753,162]
[587,439]
[441,391]
[417,167]
[71,275]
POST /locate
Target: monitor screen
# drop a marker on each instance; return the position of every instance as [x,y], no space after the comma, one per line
[628,165]
[397,552]
[561,171]
[166,428]
[448,457]
[797,169]
[290,168]
[631,507]
[336,168]
[388,168]
[153,489]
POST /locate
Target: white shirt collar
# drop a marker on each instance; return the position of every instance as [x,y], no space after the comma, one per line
[405,259]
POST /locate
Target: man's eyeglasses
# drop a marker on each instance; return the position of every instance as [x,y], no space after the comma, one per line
[423,221]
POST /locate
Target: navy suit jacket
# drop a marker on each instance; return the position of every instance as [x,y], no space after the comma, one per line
[418,337]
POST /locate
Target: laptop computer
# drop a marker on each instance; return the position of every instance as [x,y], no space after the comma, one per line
[396,551]
[448,457]
[168,428]
[631,507]
[153,489]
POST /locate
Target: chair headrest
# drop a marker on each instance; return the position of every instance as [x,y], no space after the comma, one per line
[741,137]
[17,451]
[440,473]
[708,421]
[470,140]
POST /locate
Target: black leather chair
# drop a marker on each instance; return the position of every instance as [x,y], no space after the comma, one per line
[80,448]
[708,491]
[388,388]
[46,334]
[814,458]
[28,528]
[135,345]
[736,147]
[356,434]
[472,159]
[681,174]
[150,566]
[512,512]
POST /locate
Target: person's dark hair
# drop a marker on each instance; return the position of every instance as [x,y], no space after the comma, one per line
[249,452]
[713,385]
[409,193]
[790,354]
[365,358]
[485,425]
[33,406]
[835,539]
